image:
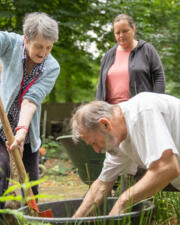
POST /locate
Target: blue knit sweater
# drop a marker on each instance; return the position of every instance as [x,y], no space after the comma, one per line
[11,50]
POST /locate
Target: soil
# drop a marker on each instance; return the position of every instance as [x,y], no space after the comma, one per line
[64,185]
[62,182]
[67,186]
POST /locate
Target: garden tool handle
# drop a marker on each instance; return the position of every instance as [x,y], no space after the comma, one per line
[10,137]
[33,207]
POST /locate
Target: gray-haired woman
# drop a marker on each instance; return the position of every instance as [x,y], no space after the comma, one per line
[29,74]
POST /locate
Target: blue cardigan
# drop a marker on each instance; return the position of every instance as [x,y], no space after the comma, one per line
[12,72]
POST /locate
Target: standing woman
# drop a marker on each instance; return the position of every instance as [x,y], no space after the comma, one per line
[130,67]
[29,74]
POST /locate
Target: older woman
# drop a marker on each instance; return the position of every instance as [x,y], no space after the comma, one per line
[29,73]
[130,67]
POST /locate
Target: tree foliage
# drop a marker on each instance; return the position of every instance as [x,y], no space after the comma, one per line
[83,22]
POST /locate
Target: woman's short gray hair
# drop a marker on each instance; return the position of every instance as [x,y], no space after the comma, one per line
[87,117]
[40,24]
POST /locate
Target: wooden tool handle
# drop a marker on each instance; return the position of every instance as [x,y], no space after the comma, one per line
[34,211]
[10,137]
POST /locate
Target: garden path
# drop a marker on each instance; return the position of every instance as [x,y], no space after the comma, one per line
[64,186]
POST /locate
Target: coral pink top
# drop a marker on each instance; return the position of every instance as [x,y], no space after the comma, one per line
[117,82]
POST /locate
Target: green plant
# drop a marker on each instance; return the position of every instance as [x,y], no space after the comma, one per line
[54,149]
[60,169]
[168,207]
[12,216]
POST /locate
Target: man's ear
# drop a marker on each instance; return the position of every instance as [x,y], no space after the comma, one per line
[105,124]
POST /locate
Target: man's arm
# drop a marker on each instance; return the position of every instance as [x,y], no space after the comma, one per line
[94,197]
[158,176]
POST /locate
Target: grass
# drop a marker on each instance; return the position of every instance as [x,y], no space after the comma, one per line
[168,208]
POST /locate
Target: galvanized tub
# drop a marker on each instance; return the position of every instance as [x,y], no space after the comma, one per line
[140,214]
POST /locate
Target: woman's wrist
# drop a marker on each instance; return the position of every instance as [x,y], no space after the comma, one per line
[21,127]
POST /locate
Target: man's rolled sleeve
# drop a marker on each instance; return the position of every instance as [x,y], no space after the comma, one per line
[115,165]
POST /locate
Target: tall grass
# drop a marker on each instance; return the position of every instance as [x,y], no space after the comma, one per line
[168,208]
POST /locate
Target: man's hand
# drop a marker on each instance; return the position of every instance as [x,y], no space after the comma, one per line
[97,192]
[116,210]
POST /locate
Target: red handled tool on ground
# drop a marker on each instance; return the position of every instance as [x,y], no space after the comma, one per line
[32,205]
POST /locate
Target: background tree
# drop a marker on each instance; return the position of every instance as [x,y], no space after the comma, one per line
[86,22]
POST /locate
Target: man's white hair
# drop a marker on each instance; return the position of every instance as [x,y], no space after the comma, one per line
[87,117]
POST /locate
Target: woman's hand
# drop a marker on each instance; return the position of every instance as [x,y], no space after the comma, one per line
[18,142]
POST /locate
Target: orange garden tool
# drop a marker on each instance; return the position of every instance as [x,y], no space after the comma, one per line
[32,205]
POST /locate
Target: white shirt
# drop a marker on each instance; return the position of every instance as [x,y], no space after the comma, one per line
[153,126]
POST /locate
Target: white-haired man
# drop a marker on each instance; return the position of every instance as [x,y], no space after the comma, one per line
[143,131]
